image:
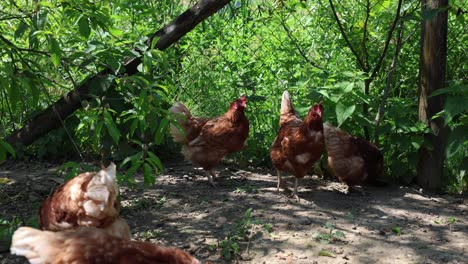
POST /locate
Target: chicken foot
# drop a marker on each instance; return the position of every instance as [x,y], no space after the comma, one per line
[211,175]
[281,183]
[294,195]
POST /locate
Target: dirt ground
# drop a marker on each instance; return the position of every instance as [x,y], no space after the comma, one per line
[386,225]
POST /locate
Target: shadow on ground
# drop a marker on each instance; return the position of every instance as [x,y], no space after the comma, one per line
[388,225]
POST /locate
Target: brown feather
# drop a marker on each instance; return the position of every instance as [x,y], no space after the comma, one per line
[90,245]
[89,199]
[207,141]
[353,160]
[299,144]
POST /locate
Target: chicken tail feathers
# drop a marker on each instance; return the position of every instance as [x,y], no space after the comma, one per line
[333,141]
[287,112]
[36,245]
[286,104]
[180,113]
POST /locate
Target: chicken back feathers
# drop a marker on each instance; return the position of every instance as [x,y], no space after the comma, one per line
[90,245]
[207,141]
[89,199]
[353,160]
[299,143]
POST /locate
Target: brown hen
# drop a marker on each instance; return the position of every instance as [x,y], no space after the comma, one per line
[353,160]
[299,144]
[90,245]
[206,141]
[89,199]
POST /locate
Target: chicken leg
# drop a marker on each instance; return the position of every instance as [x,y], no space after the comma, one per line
[279,180]
[211,175]
[294,195]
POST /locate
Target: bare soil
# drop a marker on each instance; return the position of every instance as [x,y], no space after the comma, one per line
[385,225]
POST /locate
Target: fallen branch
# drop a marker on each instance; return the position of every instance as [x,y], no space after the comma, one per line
[49,119]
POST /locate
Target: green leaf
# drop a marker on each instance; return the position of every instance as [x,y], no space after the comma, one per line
[4,180]
[135,166]
[56,52]
[13,94]
[456,140]
[343,112]
[21,29]
[339,234]
[325,253]
[454,106]
[111,127]
[160,132]
[5,146]
[149,179]
[83,27]
[156,160]
[116,32]
[396,230]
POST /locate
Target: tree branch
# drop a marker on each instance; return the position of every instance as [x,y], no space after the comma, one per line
[387,42]
[184,23]
[343,33]
[388,83]
[364,35]
[49,119]
[9,43]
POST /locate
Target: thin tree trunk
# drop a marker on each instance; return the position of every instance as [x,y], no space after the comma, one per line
[432,77]
[52,117]
[388,83]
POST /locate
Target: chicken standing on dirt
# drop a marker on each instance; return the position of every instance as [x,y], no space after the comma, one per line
[299,144]
[90,245]
[89,199]
[206,141]
[353,160]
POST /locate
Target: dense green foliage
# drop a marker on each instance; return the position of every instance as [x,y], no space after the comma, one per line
[252,47]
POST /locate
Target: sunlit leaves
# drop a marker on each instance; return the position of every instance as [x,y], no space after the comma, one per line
[56,52]
[343,112]
[83,26]
[111,127]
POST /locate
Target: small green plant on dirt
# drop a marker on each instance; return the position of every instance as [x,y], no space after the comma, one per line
[268,228]
[449,221]
[146,203]
[330,237]
[148,234]
[350,216]
[396,230]
[9,226]
[246,188]
[230,246]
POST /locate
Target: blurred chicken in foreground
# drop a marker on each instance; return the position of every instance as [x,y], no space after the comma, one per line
[353,160]
[299,144]
[90,245]
[206,141]
[89,199]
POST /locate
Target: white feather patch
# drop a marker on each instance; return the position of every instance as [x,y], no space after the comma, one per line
[303,158]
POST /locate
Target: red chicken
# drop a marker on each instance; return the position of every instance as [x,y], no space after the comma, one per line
[206,141]
[299,144]
[89,199]
[90,245]
[353,160]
